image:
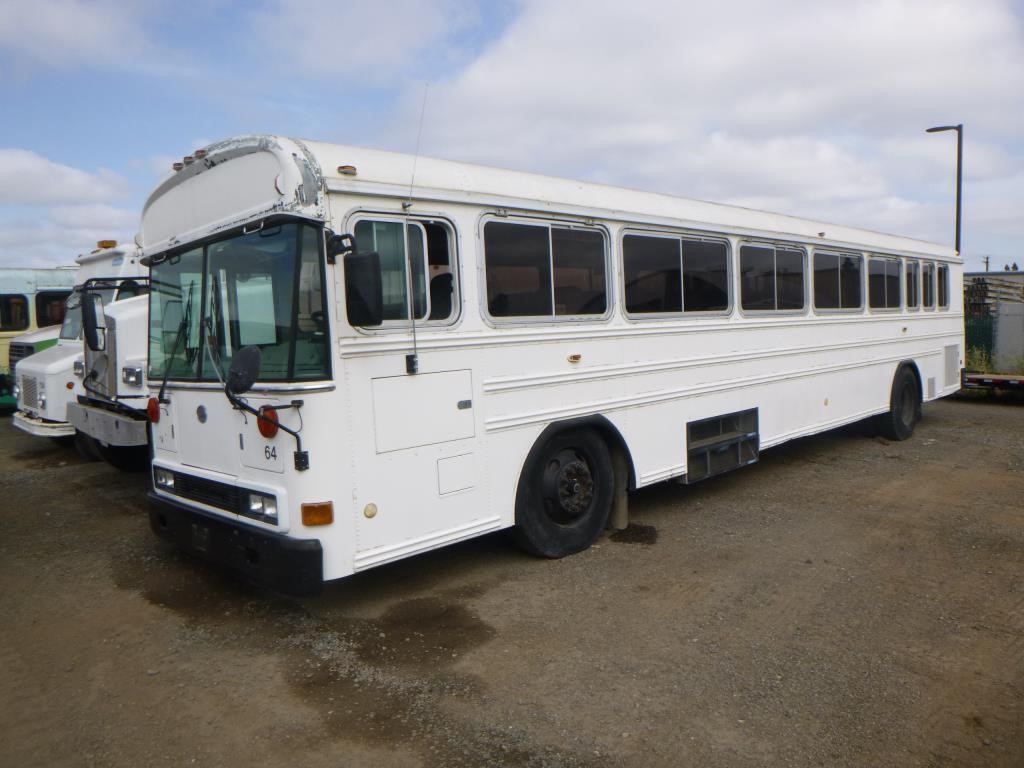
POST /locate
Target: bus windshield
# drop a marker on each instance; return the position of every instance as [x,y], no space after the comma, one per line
[264,288]
[71,328]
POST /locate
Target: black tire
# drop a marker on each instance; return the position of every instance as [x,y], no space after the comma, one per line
[904,406]
[565,494]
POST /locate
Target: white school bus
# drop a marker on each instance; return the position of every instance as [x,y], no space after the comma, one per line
[357,356]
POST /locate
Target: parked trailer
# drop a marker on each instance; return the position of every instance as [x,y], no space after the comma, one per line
[348,371]
[30,300]
[48,381]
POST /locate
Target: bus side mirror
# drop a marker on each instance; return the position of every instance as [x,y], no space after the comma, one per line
[339,245]
[92,322]
[244,370]
[364,292]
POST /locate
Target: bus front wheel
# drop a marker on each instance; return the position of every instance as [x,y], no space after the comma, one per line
[565,494]
[904,406]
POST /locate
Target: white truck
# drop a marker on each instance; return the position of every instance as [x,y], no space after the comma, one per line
[48,382]
[110,414]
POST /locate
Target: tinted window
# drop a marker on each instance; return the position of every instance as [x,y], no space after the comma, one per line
[13,313]
[651,270]
[837,279]
[50,307]
[928,284]
[578,265]
[538,270]
[943,286]
[771,278]
[884,283]
[705,276]
[913,272]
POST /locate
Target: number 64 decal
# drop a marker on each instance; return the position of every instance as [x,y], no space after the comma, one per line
[270,451]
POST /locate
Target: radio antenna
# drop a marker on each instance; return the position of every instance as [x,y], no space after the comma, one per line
[416,156]
[412,362]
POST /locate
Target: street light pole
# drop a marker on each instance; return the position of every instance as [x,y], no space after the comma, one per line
[959,128]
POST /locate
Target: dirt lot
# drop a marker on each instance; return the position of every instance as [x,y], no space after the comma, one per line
[846,602]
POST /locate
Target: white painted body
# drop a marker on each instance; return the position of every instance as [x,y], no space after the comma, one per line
[407,449]
[52,370]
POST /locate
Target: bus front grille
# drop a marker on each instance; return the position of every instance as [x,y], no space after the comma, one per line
[210,492]
[29,392]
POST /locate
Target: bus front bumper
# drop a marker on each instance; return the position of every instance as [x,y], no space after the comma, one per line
[41,427]
[293,566]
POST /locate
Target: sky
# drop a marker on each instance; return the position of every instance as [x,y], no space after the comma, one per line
[810,108]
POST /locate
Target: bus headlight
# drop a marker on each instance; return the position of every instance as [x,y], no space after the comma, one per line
[163,478]
[16,391]
[132,376]
[79,368]
[263,506]
[41,396]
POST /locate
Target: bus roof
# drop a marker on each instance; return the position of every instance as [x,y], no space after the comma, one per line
[299,165]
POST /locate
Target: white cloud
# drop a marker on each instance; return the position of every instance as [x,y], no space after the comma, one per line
[811,109]
[364,41]
[27,178]
[56,237]
[59,32]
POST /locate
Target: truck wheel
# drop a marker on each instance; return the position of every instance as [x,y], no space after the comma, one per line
[904,406]
[564,495]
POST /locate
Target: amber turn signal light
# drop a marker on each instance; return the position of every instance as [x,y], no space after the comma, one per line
[153,410]
[318,513]
[266,421]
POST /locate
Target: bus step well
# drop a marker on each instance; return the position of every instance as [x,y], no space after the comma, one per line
[721,443]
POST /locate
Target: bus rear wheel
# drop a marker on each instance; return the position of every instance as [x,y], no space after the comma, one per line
[904,406]
[565,494]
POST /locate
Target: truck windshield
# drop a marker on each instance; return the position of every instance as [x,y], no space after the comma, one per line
[71,328]
[265,289]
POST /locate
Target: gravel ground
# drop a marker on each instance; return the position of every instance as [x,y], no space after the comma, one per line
[845,602]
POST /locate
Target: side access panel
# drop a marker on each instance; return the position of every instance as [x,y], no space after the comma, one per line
[721,443]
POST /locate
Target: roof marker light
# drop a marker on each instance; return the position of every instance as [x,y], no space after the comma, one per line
[178,166]
[188,159]
[199,154]
[106,243]
[347,170]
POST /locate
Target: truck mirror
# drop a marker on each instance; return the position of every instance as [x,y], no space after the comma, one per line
[364,292]
[93,326]
[244,370]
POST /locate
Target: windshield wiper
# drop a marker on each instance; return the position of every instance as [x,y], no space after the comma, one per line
[186,321]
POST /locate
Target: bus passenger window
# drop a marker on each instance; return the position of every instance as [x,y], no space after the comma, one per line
[652,274]
[771,278]
[928,285]
[50,307]
[542,271]
[943,286]
[13,313]
[837,281]
[913,283]
[884,284]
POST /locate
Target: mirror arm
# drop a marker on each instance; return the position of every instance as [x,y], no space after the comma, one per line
[301,456]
